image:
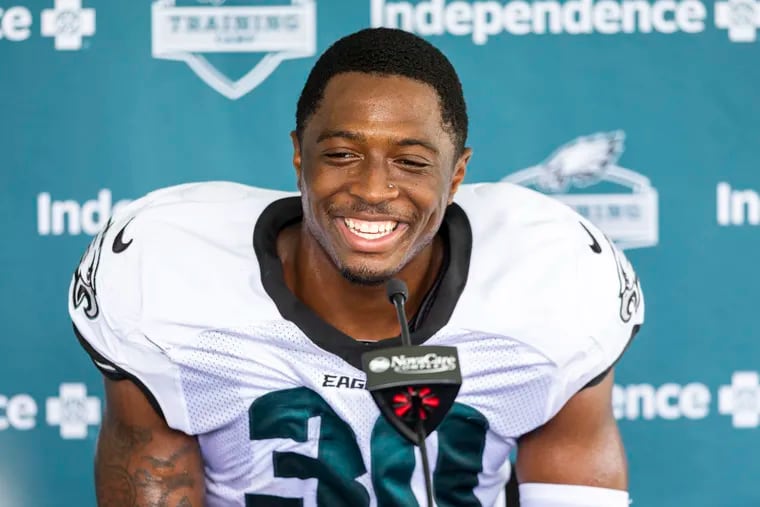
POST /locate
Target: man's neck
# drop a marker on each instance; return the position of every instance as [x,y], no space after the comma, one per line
[360,311]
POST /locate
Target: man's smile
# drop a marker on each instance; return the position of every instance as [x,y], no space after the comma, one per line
[370,236]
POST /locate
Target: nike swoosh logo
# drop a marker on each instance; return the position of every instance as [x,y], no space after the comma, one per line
[118,242]
[595,246]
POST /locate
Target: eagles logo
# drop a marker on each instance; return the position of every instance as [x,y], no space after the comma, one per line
[582,162]
[630,288]
[625,206]
[84,291]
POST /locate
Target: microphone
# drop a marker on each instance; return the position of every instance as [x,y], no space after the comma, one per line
[414,386]
[396,290]
[398,293]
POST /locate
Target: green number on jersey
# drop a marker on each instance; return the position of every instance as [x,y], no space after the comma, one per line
[285,414]
[461,443]
[393,462]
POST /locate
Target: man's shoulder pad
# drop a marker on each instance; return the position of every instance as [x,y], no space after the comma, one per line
[544,274]
[175,233]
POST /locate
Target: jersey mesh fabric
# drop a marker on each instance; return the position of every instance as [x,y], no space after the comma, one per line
[506,379]
[227,370]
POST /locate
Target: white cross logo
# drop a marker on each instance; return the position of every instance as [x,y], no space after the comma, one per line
[73,411]
[68,23]
[741,399]
[740,17]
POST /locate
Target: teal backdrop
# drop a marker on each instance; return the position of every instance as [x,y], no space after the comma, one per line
[642,114]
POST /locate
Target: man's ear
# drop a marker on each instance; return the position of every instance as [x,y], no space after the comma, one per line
[460,169]
[296,155]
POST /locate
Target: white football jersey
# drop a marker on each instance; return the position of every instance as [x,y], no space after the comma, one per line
[183,293]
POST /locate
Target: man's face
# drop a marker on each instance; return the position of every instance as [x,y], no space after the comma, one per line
[376,170]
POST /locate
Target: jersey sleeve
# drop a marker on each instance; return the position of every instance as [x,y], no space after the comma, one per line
[613,310]
[105,305]
[608,307]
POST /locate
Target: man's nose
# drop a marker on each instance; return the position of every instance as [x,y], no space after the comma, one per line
[373,183]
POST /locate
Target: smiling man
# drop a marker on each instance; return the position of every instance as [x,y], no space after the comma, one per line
[229,321]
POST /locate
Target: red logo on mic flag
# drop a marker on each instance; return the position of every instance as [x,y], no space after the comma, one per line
[402,402]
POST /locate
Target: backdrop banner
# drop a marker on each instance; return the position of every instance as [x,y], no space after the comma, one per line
[641,114]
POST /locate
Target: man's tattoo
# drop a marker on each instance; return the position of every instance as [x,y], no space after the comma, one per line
[117,485]
[162,485]
[126,476]
[169,462]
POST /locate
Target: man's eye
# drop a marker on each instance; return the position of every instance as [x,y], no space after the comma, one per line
[412,163]
[340,155]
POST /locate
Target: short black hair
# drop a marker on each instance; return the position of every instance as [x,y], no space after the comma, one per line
[388,51]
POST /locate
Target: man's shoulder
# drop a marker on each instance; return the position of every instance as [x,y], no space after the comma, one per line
[200,203]
[543,274]
[166,268]
[512,225]
[504,208]
[183,218]
[167,251]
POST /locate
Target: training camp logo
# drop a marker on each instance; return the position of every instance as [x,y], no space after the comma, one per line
[481,20]
[194,32]
[67,23]
[629,219]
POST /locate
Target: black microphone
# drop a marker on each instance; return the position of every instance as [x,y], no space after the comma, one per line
[413,386]
[398,293]
[396,289]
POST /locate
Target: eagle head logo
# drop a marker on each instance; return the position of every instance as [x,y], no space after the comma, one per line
[581,162]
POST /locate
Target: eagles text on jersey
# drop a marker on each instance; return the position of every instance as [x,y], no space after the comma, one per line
[183,293]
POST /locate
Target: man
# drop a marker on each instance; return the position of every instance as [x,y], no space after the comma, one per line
[230,321]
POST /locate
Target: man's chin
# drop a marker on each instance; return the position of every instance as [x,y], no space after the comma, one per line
[365,277]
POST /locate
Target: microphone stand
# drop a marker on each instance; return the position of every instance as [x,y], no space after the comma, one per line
[398,299]
[414,386]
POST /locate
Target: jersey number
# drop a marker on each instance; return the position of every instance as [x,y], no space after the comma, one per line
[285,414]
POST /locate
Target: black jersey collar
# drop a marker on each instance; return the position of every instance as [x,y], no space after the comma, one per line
[437,306]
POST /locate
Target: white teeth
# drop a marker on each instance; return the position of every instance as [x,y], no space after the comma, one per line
[370,230]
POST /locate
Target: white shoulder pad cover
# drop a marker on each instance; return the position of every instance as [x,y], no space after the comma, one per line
[544,275]
[614,304]
[112,298]
[105,305]
[610,309]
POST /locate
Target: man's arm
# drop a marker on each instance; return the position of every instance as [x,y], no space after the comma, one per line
[140,461]
[580,446]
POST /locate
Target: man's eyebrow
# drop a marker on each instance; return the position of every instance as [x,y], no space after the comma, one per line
[356,136]
[417,142]
[345,134]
